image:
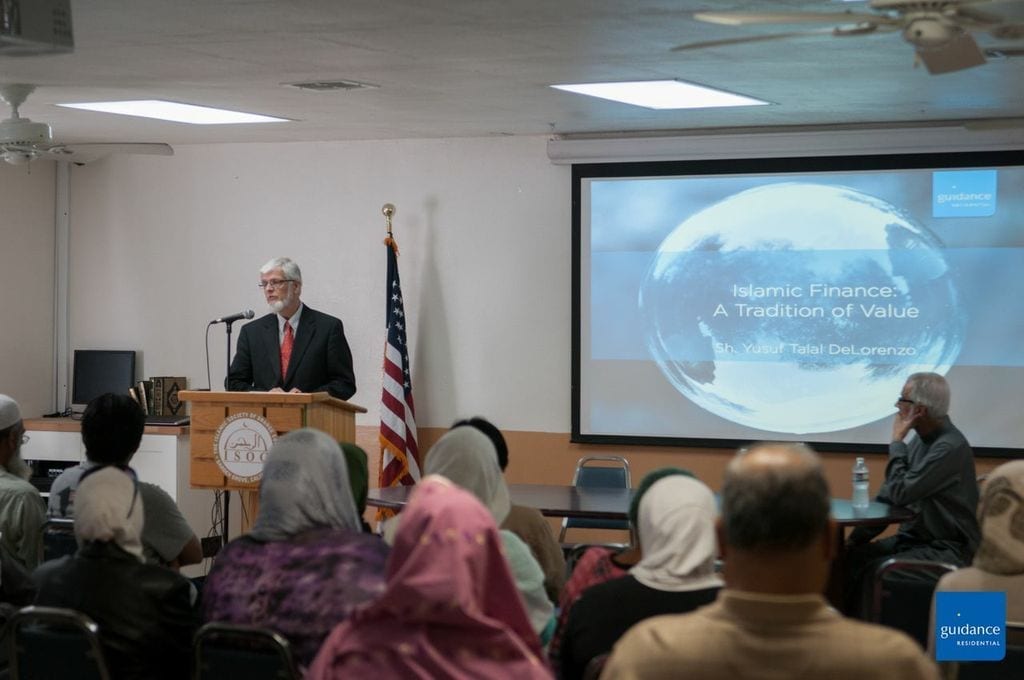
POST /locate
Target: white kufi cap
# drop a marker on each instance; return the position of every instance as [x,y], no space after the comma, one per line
[9,412]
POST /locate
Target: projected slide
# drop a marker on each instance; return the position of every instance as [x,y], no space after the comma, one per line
[794,306]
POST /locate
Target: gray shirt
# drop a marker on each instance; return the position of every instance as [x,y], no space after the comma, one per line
[935,476]
[164,531]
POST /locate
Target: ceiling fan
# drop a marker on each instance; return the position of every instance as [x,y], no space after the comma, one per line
[939,30]
[23,140]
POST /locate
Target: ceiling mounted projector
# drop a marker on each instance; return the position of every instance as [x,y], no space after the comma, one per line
[34,27]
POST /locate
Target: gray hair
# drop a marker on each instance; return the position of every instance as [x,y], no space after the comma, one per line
[286,265]
[779,506]
[930,390]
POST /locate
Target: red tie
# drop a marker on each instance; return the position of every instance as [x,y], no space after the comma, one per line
[286,350]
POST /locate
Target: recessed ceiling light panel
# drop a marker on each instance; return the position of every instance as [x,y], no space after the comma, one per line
[662,94]
[175,112]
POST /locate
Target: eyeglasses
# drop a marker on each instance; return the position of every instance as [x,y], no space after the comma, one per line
[274,283]
[904,400]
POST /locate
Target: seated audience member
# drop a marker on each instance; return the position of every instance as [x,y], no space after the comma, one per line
[112,427]
[450,610]
[358,477]
[145,612]
[16,590]
[527,523]
[999,563]
[466,457]
[596,565]
[676,572]
[933,474]
[770,620]
[307,563]
[21,507]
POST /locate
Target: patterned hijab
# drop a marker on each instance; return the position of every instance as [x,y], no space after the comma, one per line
[305,485]
[467,457]
[451,608]
[676,527]
[1001,513]
[109,508]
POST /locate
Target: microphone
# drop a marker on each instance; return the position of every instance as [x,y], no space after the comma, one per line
[231,318]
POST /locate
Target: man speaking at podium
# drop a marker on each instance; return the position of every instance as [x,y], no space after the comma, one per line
[294,348]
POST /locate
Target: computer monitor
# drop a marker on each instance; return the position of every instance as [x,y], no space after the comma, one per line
[98,371]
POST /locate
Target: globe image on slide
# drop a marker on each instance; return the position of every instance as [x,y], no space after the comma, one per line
[800,307]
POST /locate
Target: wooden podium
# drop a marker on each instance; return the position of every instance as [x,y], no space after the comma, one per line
[281,412]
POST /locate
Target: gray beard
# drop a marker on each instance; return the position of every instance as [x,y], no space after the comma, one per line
[18,467]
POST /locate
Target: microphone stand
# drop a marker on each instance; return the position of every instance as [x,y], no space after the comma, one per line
[227,494]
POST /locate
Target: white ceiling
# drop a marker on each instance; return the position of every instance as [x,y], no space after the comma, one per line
[456,68]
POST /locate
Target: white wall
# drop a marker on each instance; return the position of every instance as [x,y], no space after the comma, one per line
[26,281]
[159,246]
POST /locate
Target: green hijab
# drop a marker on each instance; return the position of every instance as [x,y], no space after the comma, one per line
[358,473]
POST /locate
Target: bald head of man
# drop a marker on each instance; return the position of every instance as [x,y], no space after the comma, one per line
[775,530]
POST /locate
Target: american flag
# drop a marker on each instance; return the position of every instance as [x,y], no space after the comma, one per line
[399,452]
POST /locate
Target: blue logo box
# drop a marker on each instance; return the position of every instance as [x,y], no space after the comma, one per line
[964,193]
[970,626]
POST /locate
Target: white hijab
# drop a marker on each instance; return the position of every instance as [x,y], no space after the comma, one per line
[676,527]
[467,457]
[104,510]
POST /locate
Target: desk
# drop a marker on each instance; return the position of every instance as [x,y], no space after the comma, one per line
[552,500]
[569,501]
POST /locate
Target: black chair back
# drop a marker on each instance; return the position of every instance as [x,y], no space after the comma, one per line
[58,538]
[226,651]
[901,595]
[47,643]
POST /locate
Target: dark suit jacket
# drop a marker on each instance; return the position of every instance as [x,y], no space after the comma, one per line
[321,360]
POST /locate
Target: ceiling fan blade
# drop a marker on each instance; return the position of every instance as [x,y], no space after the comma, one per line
[752,38]
[89,151]
[960,53]
[1008,31]
[753,18]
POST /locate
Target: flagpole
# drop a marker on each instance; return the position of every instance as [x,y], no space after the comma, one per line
[388,210]
[400,457]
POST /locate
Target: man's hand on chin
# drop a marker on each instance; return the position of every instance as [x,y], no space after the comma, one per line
[903,422]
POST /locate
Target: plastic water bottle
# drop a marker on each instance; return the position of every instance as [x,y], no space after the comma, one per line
[861,499]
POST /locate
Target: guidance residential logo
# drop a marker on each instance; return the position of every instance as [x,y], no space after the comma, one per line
[970,626]
[964,193]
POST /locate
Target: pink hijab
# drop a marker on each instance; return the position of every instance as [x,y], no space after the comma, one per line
[451,608]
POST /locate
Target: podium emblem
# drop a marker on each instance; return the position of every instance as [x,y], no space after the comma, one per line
[240,446]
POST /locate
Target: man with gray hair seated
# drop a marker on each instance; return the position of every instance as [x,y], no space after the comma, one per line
[770,620]
[932,474]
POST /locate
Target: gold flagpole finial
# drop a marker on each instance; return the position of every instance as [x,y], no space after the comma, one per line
[388,210]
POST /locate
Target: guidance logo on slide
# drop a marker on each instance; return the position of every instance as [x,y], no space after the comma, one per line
[964,193]
[970,626]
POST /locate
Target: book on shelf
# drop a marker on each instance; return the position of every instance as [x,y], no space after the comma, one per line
[165,395]
[144,395]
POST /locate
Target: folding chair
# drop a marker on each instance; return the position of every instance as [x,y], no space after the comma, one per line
[58,538]
[589,476]
[901,595]
[225,651]
[47,642]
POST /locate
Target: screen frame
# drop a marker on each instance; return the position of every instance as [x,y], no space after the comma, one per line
[122,355]
[744,166]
